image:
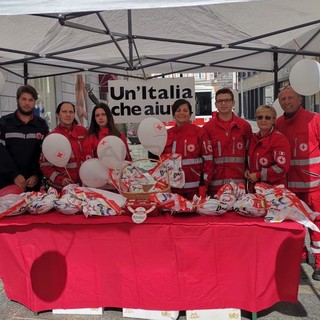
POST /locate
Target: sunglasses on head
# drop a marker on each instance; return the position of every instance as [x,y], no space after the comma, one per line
[264,117]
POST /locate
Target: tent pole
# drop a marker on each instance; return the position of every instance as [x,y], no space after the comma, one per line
[25,72]
[275,76]
[130,38]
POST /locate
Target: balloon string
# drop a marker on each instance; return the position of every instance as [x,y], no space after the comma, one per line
[65,168]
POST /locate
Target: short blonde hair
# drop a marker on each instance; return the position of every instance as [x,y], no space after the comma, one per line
[267,107]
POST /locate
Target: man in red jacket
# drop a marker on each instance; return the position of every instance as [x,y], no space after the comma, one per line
[302,128]
[230,136]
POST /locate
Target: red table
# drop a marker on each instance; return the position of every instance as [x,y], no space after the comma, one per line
[169,262]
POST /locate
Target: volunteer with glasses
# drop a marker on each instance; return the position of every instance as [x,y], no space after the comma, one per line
[230,136]
[269,151]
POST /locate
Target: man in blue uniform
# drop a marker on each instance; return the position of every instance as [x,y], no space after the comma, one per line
[21,136]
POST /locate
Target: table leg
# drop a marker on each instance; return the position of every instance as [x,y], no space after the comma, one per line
[254,316]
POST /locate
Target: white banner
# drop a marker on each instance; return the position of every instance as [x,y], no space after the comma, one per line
[134,100]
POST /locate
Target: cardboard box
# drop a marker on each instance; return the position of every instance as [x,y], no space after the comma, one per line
[93,311]
[150,314]
[214,314]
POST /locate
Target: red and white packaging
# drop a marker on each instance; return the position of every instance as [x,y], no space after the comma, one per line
[68,204]
[216,207]
[12,205]
[251,205]
[98,203]
[172,201]
[283,204]
[40,202]
[171,164]
[237,189]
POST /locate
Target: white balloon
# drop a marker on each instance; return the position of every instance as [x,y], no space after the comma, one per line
[305,77]
[152,134]
[278,108]
[93,173]
[111,152]
[57,149]
[2,82]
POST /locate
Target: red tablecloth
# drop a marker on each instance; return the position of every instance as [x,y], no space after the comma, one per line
[166,263]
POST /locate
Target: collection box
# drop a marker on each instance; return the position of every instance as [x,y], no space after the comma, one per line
[92,311]
[150,314]
[214,314]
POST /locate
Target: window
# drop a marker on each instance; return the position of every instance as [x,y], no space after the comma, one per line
[46,103]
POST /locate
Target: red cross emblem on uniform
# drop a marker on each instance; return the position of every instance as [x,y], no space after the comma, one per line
[263,161]
[191,147]
[281,160]
[303,147]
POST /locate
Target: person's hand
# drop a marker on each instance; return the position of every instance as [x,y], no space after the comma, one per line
[247,174]
[252,177]
[67,181]
[20,181]
[32,181]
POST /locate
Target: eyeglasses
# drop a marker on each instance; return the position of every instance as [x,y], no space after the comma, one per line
[268,118]
[224,100]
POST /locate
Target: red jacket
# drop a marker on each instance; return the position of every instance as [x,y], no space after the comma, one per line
[269,156]
[230,141]
[57,174]
[303,132]
[192,143]
[90,144]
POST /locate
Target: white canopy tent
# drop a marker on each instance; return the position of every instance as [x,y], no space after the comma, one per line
[13,7]
[139,38]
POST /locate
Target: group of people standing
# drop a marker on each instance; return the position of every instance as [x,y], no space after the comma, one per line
[84,143]
[284,150]
[22,163]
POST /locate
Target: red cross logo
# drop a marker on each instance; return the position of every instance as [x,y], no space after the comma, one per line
[159,127]
[191,147]
[263,161]
[303,147]
[281,160]
[59,155]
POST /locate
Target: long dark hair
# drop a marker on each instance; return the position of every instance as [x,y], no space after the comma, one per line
[94,127]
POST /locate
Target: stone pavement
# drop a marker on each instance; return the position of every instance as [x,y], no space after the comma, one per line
[307,307]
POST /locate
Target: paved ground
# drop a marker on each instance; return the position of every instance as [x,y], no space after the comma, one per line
[308,306]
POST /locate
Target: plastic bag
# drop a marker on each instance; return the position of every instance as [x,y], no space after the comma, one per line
[283,204]
[39,202]
[251,205]
[172,201]
[12,205]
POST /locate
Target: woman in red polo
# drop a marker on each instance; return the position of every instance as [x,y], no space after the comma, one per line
[101,125]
